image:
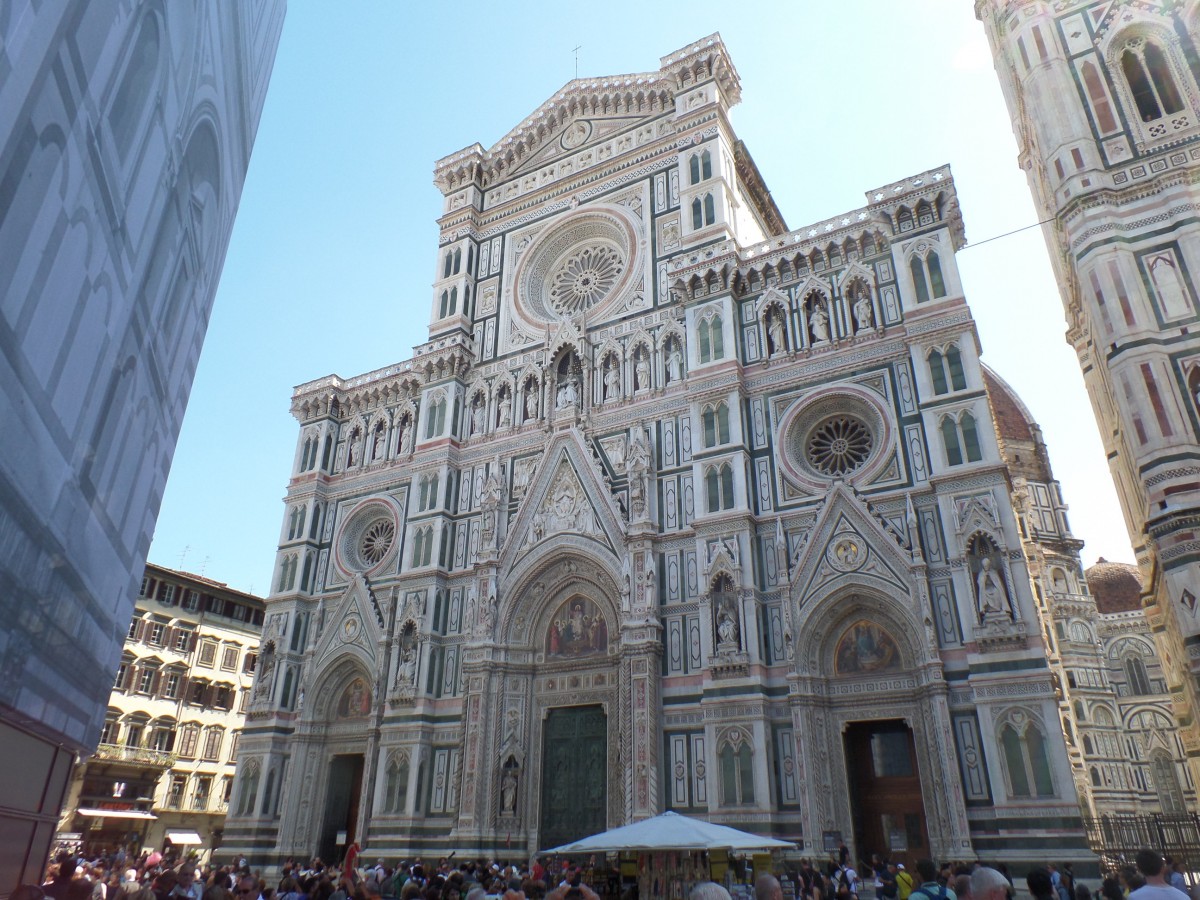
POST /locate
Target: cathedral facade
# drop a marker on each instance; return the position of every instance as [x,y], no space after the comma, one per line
[1105,104]
[676,508]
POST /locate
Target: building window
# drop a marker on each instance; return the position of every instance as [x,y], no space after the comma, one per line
[224,697]
[718,483]
[428,492]
[133,629]
[134,732]
[249,790]
[961,438]
[700,167]
[108,734]
[175,791]
[704,211]
[162,738]
[122,676]
[186,742]
[213,738]
[155,638]
[208,653]
[711,338]
[1137,677]
[716,424]
[422,547]
[737,775]
[946,370]
[229,658]
[1150,80]
[234,739]
[395,785]
[226,790]
[927,277]
[1166,783]
[202,791]
[191,601]
[171,686]
[145,682]
[1025,759]
[436,422]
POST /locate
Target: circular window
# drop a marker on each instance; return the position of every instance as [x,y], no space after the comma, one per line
[582,263]
[839,445]
[368,538]
[838,434]
[377,540]
[584,278]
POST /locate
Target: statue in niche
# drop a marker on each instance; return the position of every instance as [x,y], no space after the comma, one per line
[377,443]
[406,675]
[612,379]
[505,410]
[477,416]
[489,504]
[819,320]
[472,604]
[864,316]
[531,401]
[1165,275]
[637,468]
[641,369]
[992,599]
[989,588]
[674,363]
[406,435]
[508,793]
[727,627]
[266,668]
[775,333]
[568,394]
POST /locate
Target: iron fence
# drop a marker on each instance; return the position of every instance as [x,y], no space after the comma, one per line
[1116,839]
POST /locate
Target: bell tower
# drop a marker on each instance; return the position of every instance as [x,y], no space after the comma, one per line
[1105,104]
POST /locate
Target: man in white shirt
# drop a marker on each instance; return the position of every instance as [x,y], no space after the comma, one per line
[1150,864]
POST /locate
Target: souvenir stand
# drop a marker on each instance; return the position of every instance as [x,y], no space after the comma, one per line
[671,853]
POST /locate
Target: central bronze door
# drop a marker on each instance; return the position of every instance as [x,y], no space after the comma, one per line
[574,775]
[885,791]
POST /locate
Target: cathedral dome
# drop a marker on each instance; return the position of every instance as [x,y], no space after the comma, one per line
[1116,586]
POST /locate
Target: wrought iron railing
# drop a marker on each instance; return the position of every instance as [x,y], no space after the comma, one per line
[1117,838]
[141,755]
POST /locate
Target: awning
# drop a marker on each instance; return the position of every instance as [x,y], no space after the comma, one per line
[115,813]
[184,837]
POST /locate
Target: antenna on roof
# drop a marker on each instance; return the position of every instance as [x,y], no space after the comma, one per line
[575,50]
[203,566]
[183,556]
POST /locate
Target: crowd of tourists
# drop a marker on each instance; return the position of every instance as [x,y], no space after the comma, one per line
[154,876]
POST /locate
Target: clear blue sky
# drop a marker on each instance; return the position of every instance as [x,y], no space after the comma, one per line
[332,256]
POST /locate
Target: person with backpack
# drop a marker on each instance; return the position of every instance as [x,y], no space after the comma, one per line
[930,888]
[904,882]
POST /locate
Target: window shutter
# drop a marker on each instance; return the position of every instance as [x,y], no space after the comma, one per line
[156,685]
[141,630]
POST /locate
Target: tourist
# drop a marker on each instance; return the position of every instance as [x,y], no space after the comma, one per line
[931,888]
[987,884]
[1151,865]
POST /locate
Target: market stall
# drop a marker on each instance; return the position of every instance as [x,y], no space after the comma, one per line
[670,853]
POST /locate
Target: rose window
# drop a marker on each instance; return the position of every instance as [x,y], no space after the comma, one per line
[377,540]
[839,445]
[584,278]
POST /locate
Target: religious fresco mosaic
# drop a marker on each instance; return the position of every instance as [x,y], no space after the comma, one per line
[577,629]
[355,701]
[866,648]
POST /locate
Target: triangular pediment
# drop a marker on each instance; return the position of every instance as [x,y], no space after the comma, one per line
[847,543]
[355,621]
[567,499]
[576,134]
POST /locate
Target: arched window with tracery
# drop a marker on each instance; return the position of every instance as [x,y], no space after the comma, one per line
[716,424]
[1150,80]
[711,337]
[718,484]
[1136,676]
[1026,760]
[961,439]
[1166,782]
[395,784]
[946,370]
[249,788]
[422,546]
[435,421]
[928,281]
[737,769]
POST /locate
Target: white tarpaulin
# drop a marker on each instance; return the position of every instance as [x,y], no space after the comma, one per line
[116,814]
[184,837]
[671,831]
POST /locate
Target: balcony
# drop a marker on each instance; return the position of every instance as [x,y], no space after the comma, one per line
[141,756]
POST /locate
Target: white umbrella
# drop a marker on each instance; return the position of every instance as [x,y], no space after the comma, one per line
[671,831]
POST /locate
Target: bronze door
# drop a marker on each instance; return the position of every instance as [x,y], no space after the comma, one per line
[574,775]
[885,792]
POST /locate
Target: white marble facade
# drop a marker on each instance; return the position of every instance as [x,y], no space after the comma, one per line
[736,489]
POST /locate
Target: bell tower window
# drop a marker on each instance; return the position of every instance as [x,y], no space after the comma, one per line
[1150,80]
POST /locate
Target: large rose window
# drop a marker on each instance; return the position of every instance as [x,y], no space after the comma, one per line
[584,278]
[839,445]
